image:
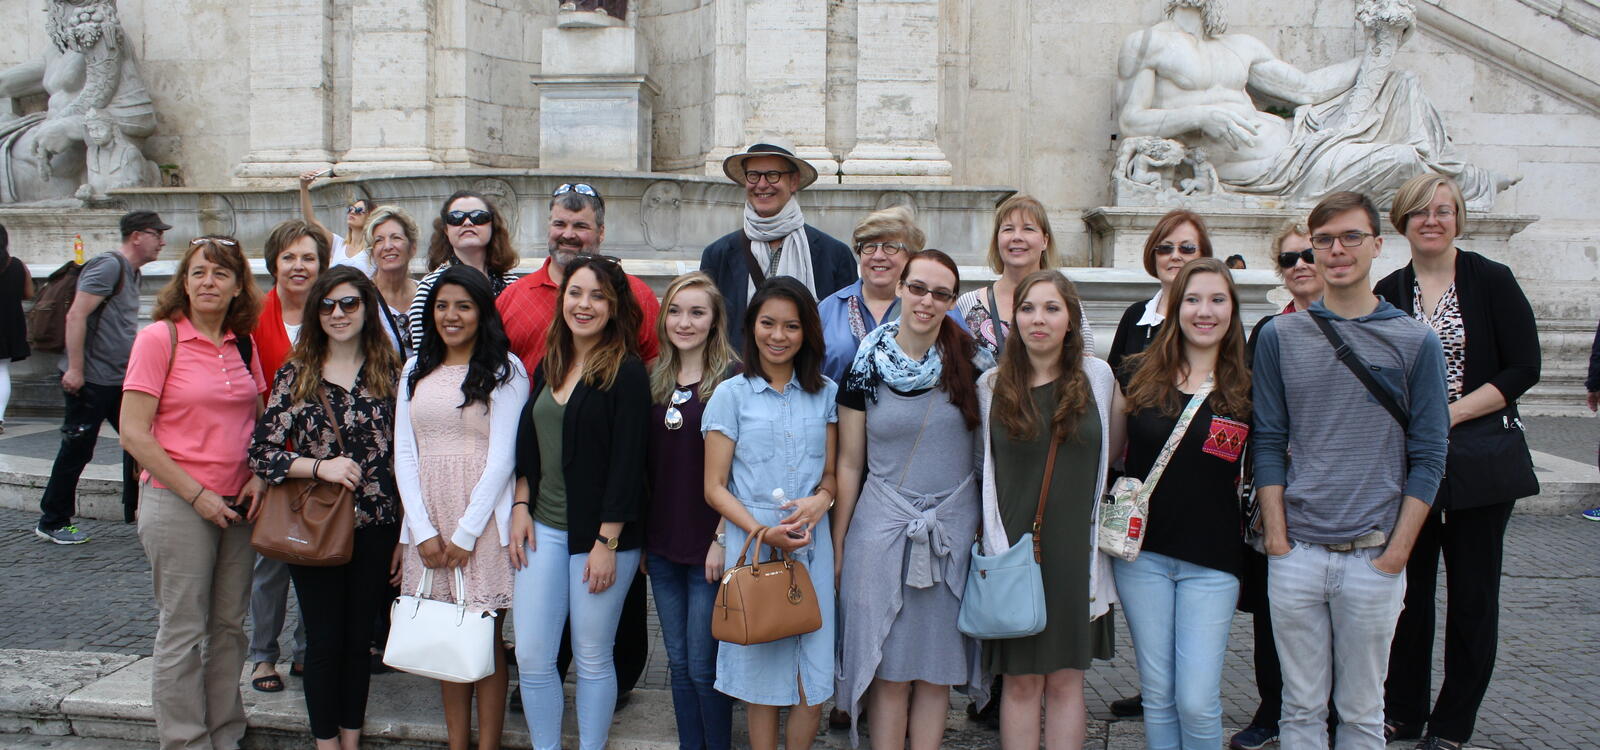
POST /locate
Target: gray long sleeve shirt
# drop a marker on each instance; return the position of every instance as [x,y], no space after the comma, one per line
[1353,465]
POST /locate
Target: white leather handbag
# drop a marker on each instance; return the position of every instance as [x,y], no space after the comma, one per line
[441,640]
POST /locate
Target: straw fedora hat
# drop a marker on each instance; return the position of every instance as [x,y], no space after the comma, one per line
[733,166]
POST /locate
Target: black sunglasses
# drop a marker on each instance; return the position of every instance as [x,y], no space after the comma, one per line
[479,217]
[348,304]
[1166,248]
[1287,259]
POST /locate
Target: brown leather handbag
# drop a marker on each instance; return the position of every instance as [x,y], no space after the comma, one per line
[308,521]
[765,601]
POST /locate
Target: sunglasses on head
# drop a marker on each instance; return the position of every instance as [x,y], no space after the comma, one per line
[581,188]
[1288,258]
[218,240]
[348,304]
[1166,248]
[480,217]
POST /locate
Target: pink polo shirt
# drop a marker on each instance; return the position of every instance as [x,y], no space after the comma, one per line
[207,404]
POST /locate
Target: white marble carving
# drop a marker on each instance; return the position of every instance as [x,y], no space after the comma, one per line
[1357,125]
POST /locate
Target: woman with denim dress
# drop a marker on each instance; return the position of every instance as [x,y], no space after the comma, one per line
[771,429]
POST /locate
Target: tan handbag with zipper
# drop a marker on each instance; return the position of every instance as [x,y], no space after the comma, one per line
[761,602]
[308,521]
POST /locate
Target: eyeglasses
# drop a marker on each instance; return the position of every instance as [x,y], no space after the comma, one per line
[1186,248]
[888,248]
[772,177]
[218,240]
[1288,258]
[1444,213]
[581,188]
[1348,239]
[156,233]
[674,418]
[356,209]
[479,217]
[348,304]
[919,289]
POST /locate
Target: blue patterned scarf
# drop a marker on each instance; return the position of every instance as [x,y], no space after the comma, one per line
[881,360]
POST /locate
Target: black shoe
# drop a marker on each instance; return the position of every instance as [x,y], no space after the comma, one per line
[623,699]
[515,702]
[1431,742]
[1128,707]
[838,718]
[1394,731]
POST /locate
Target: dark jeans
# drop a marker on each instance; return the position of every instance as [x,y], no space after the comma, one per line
[632,649]
[86,409]
[683,605]
[338,605]
[1471,540]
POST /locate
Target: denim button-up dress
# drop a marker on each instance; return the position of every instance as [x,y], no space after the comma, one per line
[779,442]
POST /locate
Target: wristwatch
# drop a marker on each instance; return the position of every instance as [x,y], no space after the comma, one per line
[722,540]
[610,542]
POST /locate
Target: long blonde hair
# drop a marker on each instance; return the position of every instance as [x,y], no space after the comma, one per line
[718,356]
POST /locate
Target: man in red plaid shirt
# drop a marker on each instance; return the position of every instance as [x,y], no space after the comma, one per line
[528,307]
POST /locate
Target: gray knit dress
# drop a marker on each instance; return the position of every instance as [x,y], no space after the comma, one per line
[907,550]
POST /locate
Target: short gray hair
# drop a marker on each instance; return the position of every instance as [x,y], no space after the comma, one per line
[573,200]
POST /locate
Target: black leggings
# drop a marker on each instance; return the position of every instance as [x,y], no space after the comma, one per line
[338,605]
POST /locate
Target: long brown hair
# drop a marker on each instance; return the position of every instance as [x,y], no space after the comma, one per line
[1169,224]
[1157,368]
[172,302]
[956,347]
[618,340]
[311,351]
[717,357]
[1013,402]
[498,258]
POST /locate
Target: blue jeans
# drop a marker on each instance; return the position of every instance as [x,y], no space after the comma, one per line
[683,605]
[1334,617]
[1178,614]
[548,591]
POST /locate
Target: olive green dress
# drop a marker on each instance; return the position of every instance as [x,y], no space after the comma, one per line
[1070,639]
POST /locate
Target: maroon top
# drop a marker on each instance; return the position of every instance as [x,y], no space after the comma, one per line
[682,526]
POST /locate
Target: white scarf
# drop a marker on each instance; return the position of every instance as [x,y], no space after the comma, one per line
[788,225]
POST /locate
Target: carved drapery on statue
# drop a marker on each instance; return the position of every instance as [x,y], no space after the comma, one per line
[88,140]
[1191,129]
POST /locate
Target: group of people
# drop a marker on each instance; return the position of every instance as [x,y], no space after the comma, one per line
[557,435]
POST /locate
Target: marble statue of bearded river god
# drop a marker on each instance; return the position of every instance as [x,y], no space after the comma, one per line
[99,111]
[1186,114]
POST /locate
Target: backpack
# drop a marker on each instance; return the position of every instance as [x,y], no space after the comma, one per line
[47,319]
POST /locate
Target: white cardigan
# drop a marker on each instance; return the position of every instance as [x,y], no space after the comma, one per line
[494,490]
[1102,591]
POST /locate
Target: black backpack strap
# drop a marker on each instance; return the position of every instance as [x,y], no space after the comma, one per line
[246,348]
[1350,359]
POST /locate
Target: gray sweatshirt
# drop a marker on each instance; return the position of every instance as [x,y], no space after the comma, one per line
[1353,465]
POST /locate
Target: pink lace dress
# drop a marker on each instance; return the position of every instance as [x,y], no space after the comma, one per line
[452,445]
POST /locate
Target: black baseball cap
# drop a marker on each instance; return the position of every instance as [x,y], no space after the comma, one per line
[135,221]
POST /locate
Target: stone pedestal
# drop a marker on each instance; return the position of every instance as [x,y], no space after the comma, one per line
[897,95]
[596,100]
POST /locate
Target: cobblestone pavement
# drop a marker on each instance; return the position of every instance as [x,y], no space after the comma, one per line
[96,597]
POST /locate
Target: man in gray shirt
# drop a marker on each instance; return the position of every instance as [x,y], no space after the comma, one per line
[101,324]
[1342,515]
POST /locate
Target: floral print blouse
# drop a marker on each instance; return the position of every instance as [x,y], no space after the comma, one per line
[292,429]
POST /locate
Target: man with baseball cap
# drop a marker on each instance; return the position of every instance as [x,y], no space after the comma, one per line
[101,324]
[775,240]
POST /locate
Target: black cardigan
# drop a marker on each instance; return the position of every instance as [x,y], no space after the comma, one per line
[1502,338]
[833,267]
[602,455]
[1131,338]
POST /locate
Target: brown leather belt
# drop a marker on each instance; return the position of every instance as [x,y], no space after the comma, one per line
[1369,539]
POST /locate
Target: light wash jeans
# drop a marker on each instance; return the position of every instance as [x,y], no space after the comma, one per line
[1178,614]
[548,591]
[1334,616]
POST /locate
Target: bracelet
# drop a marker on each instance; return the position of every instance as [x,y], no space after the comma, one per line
[316,465]
[197,495]
[521,502]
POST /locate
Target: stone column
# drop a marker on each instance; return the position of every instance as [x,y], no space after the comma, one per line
[391,58]
[897,95]
[291,85]
[596,101]
[784,87]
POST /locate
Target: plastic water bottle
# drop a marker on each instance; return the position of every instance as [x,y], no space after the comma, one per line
[778,498]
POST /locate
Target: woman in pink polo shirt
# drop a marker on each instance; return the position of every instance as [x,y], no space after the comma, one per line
[191,398]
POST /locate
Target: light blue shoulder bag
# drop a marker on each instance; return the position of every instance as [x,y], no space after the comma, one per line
[1004,597]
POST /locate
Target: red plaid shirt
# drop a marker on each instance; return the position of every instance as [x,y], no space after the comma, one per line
[528,307]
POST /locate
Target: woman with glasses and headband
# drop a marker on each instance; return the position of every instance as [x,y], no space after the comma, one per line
[1020,244]
[883,242]
[1491,353]
[347,363]
[908,505]
[470,232]
[356,251]
[683,544]
[296,253]
[1177,238]
[190,401]
[580,491]
[392,235]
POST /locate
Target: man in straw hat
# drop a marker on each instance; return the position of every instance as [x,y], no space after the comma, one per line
[775,240]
